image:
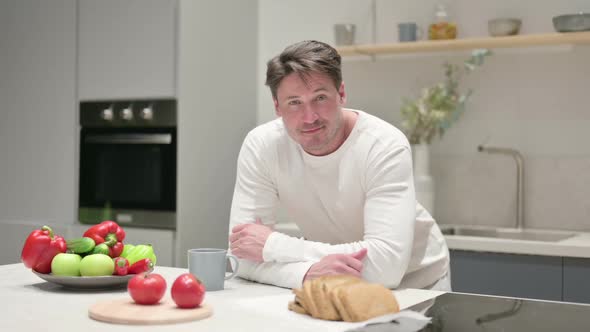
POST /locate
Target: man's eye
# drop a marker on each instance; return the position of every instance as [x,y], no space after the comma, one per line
[294,102]
[321,97]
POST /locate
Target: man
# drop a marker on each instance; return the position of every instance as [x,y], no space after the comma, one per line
[343,176]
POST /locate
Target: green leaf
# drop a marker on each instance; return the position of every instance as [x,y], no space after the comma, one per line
[439,106]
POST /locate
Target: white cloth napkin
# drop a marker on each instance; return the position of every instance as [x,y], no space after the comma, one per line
[403,321]
[412,299]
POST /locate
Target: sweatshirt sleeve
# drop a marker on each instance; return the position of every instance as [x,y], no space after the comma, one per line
[389,218]
[255,195]
[255,192]
[288,275]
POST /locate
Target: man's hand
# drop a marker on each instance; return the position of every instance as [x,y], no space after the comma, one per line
[247,240]
[350,264]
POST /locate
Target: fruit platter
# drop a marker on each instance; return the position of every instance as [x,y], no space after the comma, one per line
[98,259]
[100,282]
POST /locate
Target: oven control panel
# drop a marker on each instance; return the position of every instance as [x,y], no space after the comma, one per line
[128,113]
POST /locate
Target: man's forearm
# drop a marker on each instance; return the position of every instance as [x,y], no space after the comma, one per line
[383,264]
[288,275]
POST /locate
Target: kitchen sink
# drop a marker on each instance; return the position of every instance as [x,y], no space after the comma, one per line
[507,233]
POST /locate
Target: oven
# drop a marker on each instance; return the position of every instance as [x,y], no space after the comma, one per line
[128,162]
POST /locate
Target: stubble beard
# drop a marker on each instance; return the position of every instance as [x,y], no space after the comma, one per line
[318,147]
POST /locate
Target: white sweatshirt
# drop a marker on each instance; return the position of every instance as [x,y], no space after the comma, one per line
[360,196]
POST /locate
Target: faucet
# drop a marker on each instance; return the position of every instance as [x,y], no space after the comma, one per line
[519,178]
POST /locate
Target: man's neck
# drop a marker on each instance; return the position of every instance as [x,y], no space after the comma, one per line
[349,118]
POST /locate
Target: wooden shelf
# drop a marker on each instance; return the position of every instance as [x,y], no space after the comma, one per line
[570,38]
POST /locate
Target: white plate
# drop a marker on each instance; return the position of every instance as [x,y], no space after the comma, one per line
[101,282]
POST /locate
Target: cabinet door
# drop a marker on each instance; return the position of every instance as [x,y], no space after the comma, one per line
[538,277]
[126,49]
[161,240]
[37,107]
[576,280]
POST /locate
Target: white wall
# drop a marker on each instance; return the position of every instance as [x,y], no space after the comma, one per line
[217,107]
[530,99]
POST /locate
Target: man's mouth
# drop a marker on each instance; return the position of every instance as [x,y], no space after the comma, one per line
[311,130]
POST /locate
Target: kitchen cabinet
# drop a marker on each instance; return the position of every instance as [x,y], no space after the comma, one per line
[127,49]
[37,129]
[576,280]
[538,277]
[161,240]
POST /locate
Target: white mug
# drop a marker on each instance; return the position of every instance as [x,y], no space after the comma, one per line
[209,265]
[409,31]
[344,33]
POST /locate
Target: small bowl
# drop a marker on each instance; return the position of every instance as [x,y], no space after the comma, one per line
[504,26]
[572,22]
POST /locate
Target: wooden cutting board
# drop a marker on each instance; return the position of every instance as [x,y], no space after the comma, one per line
[125,311]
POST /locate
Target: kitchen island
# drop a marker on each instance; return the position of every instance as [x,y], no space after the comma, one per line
[578,245]
[32,304]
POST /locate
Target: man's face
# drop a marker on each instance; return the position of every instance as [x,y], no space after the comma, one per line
[312,112]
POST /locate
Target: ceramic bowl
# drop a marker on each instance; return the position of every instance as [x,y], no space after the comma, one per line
[572,22]
[504,26]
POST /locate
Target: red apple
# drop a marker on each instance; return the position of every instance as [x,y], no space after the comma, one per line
[188,291]
[147,288]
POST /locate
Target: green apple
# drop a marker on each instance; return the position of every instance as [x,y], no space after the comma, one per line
[97,265]
[66,264]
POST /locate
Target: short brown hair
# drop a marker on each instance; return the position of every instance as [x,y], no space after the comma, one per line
[304,58]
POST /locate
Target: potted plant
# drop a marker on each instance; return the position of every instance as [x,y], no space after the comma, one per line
[431,114]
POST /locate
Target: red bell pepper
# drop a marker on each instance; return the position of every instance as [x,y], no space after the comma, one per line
[121,266]
[110,233]
[40,248]
[143,265]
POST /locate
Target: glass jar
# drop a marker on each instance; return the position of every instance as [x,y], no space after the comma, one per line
[442,27]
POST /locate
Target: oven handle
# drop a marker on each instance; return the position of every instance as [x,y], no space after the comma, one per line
[130,139]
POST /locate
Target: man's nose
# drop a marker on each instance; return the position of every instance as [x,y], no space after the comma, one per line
[309,114]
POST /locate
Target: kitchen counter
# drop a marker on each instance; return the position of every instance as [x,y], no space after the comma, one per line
[32,304]
[576,246]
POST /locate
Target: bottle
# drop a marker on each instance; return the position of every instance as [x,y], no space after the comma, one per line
[442,27]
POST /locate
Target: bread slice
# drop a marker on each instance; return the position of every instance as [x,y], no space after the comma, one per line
[300,299]
[294,306]
[343,297]
[338,304]
[308,298]
[362,301]
[323,302]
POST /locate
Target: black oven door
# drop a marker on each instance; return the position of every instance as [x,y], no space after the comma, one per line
[128,175]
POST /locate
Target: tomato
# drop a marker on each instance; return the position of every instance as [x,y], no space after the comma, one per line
[121,266]
[147,288]
[188,291]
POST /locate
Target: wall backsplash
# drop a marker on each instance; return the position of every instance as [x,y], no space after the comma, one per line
[532,99]
[481,191]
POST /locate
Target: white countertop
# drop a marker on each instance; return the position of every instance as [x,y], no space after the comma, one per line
[576,246]
[31,304]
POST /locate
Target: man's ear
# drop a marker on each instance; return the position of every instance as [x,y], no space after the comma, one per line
[342,94]
[276,104]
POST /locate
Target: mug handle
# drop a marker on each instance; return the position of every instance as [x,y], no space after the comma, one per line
[235,259]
